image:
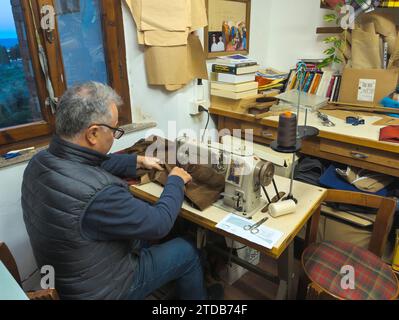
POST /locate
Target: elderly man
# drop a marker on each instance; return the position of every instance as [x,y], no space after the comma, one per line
[82,219]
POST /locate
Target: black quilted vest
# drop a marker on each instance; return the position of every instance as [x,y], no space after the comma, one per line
[58,186]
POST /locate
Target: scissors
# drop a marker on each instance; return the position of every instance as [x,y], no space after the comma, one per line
[254,228]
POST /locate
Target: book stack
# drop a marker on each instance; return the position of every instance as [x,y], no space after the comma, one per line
[323,84]
[233,77]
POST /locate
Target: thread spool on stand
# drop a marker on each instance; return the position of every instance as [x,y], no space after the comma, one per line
[288,142]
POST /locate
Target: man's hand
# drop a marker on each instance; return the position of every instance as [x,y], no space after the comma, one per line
[176,171]
[148,163]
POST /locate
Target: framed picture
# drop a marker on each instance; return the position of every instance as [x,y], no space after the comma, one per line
[228,27]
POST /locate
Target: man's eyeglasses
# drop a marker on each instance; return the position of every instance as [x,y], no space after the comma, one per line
[118,132]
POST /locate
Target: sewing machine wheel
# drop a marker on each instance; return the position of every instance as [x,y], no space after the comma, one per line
[264,171]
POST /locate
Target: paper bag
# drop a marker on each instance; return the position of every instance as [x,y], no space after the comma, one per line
[199,17]
[163,38]
[366,52]
[367,86]
[135,9]
[168,15]
[176,65]
[383,24]
[394,60]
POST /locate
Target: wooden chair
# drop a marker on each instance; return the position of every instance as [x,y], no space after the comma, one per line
[8,260]
[322,262]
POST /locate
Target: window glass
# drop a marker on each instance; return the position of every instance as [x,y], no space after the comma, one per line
[80,31]
[19,103]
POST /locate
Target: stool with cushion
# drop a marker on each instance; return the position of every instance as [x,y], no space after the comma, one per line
[373,279]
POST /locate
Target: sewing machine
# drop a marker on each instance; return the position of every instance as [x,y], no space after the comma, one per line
[245,174]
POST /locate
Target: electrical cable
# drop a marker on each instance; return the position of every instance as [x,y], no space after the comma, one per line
[200,109]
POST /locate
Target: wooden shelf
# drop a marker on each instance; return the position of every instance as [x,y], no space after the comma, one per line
[329,30]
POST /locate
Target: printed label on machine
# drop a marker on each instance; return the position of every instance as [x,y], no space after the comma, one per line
[234,224]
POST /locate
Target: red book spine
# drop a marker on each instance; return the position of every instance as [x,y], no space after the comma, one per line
[330,87]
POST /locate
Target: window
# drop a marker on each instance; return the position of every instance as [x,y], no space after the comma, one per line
[86,44]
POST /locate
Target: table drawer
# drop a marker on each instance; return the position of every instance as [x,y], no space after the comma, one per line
[259,130]
[373,156]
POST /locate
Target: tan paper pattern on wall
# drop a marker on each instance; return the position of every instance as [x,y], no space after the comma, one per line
[173,56]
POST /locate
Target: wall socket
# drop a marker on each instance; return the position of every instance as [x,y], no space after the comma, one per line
[194,107]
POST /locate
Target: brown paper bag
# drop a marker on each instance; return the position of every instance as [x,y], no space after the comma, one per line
[135,10]
[366,52]
[199,17]
[161,38]
[384,23]
[176,65]
[394,60]
[168,15]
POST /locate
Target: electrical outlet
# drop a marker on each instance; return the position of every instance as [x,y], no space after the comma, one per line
[194,107]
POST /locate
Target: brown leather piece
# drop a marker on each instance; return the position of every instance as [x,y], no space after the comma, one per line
[201,192]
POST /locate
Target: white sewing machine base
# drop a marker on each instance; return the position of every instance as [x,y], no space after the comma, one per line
[219,204]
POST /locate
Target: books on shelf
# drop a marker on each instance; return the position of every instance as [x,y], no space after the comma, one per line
[234,87]
[235,59]
[324,84]
[234,95]
[231,78]
[237,70]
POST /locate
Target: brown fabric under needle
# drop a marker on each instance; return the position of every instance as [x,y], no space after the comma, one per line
[201,192]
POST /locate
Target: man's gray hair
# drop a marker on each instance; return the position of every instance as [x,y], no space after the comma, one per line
[84,105]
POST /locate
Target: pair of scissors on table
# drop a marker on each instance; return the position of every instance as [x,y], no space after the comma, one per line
[255,227]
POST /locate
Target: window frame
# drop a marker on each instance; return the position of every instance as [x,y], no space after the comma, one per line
[39,133]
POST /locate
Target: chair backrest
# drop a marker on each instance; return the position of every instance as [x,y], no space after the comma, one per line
[9,262]
[384,219]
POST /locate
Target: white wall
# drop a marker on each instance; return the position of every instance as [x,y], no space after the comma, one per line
[292,35]
[278,38]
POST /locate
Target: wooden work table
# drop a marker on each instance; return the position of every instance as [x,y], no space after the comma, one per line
[309,198]
[355,146]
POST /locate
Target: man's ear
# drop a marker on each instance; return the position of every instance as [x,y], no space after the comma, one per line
[92,135]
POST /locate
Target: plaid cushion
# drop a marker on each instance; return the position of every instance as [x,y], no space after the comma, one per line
[374,280]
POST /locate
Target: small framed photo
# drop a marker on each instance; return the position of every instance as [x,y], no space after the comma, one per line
[228,27]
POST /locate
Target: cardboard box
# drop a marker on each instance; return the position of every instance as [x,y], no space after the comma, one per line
[367,86]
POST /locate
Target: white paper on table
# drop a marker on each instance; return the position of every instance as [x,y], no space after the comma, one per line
[234,224]
[367,89]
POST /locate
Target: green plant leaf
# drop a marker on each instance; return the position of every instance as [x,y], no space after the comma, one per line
[330,39]
[329,51]
[338,44]
[330,17]
[327,61]
[337,60]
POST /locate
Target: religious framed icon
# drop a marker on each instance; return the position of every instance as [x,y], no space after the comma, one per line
[228,27]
